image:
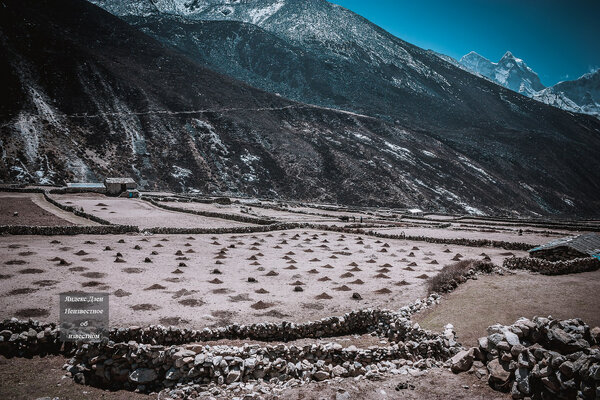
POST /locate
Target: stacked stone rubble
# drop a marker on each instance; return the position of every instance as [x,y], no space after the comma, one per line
[157,357]
[29,338]
[552,267]
[541,358]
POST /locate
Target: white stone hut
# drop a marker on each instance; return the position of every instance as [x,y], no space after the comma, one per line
[116,186]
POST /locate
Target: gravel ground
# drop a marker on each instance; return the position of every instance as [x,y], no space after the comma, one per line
[493,299]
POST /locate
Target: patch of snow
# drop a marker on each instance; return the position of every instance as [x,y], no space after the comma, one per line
[21,172]
[27,127]
[569,202]
[362,137]
[208,134]
[180,172]
[466,162]
[249,158]
[398,151]
[257,16]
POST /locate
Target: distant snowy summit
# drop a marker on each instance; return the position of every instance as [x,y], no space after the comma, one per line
[581,95]
[510,72]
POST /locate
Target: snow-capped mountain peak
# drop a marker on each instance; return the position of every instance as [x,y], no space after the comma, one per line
[510,72]
[579,95]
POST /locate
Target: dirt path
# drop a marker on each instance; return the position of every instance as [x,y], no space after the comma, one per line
[493,299]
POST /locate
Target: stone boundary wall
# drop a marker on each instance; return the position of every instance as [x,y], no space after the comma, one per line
[157,360]
[457,241]
[352,229]
[21,190]
[147,368]
[232,217]
[27,338]
[566,225]
[67,230]
[217,231]
[253,229]
[541,358]
[546,267]
[360,321]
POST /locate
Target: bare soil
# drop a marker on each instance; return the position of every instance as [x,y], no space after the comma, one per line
[123,211]
[37,377]
[319,262]
[29,213]
[492,299]
[435,384]
[26,379]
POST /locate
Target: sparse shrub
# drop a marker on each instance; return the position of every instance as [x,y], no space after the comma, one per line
[454,274]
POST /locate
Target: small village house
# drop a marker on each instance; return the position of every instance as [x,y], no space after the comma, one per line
[116,186]
[568,248]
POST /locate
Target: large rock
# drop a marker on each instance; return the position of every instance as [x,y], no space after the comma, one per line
[143,375]
[564,342]
[321,375]
[522,380]
[511,338]
[499,377]
[595,333]
[462,361]
[233,376]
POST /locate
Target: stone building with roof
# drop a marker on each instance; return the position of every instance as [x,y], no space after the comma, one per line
[568,248]
[116,186]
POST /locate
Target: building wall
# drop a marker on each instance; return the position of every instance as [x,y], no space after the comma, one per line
[562,253]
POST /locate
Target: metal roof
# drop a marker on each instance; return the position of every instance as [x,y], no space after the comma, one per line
[85,184]
[119,180]
[588,243]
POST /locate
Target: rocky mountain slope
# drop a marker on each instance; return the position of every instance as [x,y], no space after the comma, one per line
[89,96]
[510,72]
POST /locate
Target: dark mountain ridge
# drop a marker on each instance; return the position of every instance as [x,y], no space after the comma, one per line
[90,96]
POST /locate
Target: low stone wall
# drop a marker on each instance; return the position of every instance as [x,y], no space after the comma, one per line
[232,217]
[157,358]
[455,241]
[552,267]
[130,364]
[20,190]
[354,322]
[361,321]
[67,230]
[561,253]
[539,359]
[548,224]
[29,338]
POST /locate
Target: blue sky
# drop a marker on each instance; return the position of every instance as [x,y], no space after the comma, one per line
[559,39]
